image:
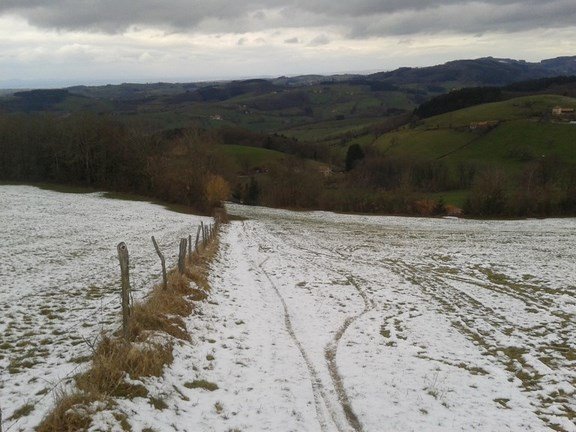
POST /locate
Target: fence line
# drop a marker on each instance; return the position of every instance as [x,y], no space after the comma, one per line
[186,251]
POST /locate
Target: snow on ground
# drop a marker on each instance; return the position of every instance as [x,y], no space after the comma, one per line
[325,322]
[59,283]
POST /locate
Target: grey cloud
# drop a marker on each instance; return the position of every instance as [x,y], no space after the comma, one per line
[319,40]
[293,40]
[112,16]
[359,18]
[473,18]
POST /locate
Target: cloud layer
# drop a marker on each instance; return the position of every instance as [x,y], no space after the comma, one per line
[74,41]
[359,19]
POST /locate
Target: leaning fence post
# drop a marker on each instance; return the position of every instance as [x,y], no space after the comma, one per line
[182,256]
[197,238]
[125,275]
[163,261]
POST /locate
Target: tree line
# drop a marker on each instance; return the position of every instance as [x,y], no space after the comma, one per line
[189,167]
[373,182]
[99,152]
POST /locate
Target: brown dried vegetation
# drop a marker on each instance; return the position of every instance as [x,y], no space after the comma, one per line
[153,325]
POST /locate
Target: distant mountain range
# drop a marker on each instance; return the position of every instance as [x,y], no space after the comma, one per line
[285,104]
[487,71]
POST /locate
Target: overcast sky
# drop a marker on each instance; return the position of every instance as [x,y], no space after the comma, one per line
[65,42]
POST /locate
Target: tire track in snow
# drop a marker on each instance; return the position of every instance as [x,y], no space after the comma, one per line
[317,388]
[468,309]
[330,355]
[322,400]
[471,314]
[331,348]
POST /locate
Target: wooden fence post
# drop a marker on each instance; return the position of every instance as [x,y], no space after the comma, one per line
[189,248]
[182,256]
[163,261]
[197,238]
[125,275]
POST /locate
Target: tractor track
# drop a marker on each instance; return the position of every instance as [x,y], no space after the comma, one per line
[342,416]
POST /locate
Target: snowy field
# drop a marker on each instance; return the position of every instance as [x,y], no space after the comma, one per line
[324,322]
[59,284]
[317,321]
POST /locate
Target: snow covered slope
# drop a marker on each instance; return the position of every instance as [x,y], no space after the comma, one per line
[59,284]
[324,322]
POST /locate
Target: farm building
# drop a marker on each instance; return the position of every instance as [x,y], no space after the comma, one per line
[559,111]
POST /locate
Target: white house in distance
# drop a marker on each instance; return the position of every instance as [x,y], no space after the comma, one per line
[560,111]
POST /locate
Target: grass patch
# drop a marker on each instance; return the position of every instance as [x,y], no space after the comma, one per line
[251,157]
[503,402]
[123,420]
[203,384]
[218,407]
[161,313]
[385,332]
[115,359]
[158,403]
[23,411]
[72,413]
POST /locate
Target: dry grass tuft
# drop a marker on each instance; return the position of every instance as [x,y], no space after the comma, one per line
[198,268]
[177,283]
[162,312]
[197,275]
[198,295]
[115,359]
[146,319]
[73,412]
[203,384]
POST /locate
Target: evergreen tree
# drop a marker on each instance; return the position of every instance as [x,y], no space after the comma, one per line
[354,154]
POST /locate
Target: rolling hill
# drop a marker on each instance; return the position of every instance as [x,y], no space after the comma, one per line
[306,107]
[522,123]
[425,135]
